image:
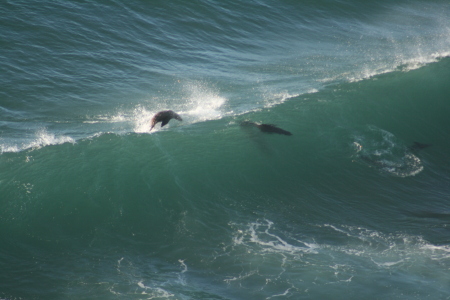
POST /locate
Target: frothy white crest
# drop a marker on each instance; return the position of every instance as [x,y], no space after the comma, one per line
[9,148]
[401,62]
[142,118]
[279,98]
[203,103]
[42,138]
[200,103]
[45,138]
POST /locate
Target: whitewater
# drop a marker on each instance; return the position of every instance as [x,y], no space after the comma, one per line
[354,204]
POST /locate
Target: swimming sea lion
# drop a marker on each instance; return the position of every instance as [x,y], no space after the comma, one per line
[164,117]
[418,146]
[266,128]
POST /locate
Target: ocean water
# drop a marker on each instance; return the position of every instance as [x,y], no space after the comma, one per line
[354,205]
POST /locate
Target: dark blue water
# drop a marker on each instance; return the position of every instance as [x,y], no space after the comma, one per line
[354,204]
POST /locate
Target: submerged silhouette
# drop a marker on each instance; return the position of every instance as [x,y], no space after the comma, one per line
[164,117]
[418,146]
[266,128]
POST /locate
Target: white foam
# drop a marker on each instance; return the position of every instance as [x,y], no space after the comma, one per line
[259,234]
[154,292]
[402,63]
[240,277]
[9,148]
[44,138]
[279,98]
[388,250]
[284,265]
[203,103]
[41,139]
[185,268]
[199,103]
[280,295]
[380,149]
[142,118]
[394,250]
[437,252]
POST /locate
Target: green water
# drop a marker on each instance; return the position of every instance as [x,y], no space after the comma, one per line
[94,205]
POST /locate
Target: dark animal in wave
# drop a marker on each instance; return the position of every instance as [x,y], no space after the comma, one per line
[164,117]
[266,128]
[418,146]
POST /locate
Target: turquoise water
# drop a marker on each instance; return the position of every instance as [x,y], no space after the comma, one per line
[95,206]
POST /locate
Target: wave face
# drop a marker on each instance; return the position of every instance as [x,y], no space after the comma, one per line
[355,204]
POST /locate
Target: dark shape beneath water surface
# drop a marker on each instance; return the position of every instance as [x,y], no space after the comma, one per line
[266,128]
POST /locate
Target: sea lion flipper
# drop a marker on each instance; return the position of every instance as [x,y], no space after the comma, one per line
[164,122]
[153,124]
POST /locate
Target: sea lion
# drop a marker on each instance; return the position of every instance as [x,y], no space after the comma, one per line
[266,128]
[164,117]
[418,146]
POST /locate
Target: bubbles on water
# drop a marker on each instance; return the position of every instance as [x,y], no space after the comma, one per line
[259,234]
[154,292]
[142,118]
[338,255]
[202,102]
[393,250]
[381,150]
[142,277]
